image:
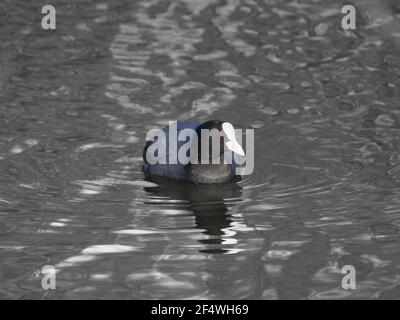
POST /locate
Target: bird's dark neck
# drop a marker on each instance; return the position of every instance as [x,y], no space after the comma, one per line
[210,173]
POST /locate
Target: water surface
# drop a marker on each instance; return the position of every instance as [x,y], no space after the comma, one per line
[75,105]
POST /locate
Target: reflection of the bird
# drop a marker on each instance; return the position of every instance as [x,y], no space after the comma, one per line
[208,202]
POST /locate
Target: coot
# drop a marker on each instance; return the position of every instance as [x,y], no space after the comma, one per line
[215,170]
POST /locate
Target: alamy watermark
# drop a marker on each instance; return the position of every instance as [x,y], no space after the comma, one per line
[349,280]
[49,20]
[182,147]
[349,20]
[49,278]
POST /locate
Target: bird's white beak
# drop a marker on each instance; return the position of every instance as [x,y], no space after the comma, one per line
[232,143]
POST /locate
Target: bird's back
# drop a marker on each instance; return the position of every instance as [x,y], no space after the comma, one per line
[174,170]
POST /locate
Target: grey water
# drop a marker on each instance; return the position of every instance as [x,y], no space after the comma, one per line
[76,104]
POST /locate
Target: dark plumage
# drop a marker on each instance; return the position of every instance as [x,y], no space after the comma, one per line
[191,172]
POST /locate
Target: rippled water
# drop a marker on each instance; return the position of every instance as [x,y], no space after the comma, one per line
[75,106]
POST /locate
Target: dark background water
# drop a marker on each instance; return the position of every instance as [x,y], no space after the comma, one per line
[76,103]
